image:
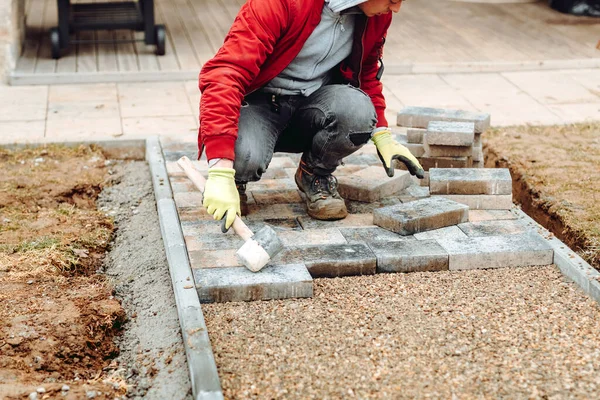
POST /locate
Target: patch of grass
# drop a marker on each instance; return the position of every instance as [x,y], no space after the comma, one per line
[561,167]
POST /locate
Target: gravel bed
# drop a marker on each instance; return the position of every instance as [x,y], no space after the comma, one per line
[511,332]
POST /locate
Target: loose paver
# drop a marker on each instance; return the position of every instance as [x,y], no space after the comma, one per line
[444,133]
[415,135]
[445,162]
[331,260]
[517,250]
[413,193]
[434,150]
[421,215]
[410,256]
[471,181]
[372,184]
[240,284]
[419,117]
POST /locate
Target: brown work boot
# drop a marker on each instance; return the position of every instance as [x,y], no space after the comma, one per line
[322,198]
[241,188]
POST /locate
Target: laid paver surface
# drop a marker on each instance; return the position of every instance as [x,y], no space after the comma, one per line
[354,245]
[505,333]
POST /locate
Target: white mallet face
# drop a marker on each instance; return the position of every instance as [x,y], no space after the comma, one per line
[253,256]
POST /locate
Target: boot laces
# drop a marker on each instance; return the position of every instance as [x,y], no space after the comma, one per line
[324,185]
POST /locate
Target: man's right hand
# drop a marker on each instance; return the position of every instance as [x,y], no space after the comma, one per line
[221,196]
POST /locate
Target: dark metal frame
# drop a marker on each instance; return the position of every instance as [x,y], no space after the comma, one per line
[135,15]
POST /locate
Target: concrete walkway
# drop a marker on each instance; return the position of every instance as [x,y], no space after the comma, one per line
[135,110]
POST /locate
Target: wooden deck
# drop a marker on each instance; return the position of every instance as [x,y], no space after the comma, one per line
[427,36]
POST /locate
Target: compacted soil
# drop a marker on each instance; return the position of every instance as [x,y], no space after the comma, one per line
[87,309]
[556,176]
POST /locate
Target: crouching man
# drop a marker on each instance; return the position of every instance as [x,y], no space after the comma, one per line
[298,77]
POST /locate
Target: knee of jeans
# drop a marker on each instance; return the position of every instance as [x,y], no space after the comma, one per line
[357,114]
[248,166]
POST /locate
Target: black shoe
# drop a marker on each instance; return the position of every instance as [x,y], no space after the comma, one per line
[322,198]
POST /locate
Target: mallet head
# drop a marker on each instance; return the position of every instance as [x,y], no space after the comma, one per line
[260,249]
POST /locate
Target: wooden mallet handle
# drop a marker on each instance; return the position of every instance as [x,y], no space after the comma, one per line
[197,179]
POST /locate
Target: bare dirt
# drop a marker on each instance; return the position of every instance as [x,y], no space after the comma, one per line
[85,292]
[504,333]
[556,178]
[58,317]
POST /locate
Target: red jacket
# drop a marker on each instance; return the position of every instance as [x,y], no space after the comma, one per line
[264,38]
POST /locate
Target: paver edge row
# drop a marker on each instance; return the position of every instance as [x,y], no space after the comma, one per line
[200,358]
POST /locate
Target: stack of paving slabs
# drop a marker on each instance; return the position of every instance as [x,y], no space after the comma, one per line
[442,138]
[478,188]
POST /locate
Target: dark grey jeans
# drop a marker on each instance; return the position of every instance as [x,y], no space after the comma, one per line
[327,126]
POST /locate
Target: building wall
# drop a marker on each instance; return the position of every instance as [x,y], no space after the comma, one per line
[12,35]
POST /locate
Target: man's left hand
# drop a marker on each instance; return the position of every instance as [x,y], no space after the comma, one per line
[389,150]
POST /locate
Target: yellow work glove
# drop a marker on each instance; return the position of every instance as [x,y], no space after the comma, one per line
[388,150]
[220,196]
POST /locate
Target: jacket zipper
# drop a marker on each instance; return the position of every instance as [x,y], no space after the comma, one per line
[335,27]
[362,53]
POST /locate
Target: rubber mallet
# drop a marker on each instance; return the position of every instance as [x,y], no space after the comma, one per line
[258,248]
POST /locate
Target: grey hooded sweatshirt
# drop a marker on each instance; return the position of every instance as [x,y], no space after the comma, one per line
[328,45]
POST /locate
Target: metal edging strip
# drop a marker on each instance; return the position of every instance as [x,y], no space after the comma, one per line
[201,362]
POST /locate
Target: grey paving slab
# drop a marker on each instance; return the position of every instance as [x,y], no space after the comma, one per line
[481,201]
[312,237]
[266,197]
[415,135]
[370,234]
[470,181]
[239,284]
[213,241]
[410,256]
[493,228]
[359,207]
[352,220]
[416,149]
[445,133]
[278,224]
[419,117]
[282,161]
[449,232]
[188,199]
[420,215]
[434,150]
[275,211]
[362,159]
[489,215]
[517,250]
[422,182]
[372,184]
[477,153]
[219,258]
[331,260]
[413,193]
[445,162]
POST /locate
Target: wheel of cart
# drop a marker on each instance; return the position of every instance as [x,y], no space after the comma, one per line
[55,42]
[160,37]
[136,15]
